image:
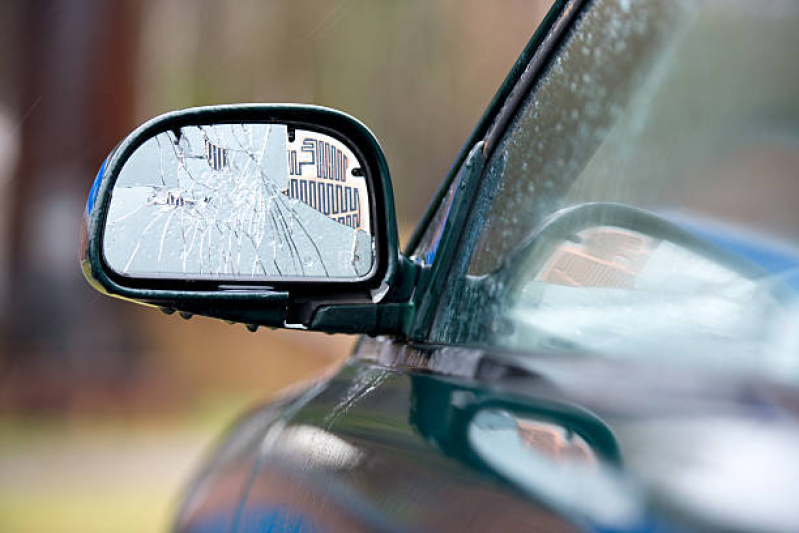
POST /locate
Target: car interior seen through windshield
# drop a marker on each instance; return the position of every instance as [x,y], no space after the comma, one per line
[637,206]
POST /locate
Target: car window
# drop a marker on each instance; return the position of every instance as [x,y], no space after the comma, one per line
[643,199]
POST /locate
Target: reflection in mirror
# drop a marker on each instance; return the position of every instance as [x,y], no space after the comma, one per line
[647,294]
[554,441]
[240,202]
[615,257]
[555,464]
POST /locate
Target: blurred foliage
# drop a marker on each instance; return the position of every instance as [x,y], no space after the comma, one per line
[418,73]
[104,406]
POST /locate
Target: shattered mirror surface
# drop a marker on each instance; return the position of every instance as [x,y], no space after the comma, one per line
[240,202]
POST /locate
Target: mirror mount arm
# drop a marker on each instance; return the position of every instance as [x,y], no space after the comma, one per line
[392,316]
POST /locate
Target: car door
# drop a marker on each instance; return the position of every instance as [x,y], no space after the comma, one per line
[553,262]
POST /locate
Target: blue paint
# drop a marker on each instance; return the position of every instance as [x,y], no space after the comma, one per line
[770,258]
[647,525]
[430,254]
[775,257]
[275,519]
[257,519]
[95,188]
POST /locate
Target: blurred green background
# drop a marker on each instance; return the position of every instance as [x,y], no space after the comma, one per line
[106,408]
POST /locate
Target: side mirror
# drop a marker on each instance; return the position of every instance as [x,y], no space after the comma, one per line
[554,451]
[262,214]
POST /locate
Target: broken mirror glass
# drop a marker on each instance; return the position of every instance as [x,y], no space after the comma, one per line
[240,202]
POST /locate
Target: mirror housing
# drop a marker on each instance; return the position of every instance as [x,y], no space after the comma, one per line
[333,304]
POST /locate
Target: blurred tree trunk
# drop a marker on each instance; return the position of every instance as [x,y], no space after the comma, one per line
[74,77]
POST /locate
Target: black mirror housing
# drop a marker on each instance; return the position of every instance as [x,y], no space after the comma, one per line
[266,299]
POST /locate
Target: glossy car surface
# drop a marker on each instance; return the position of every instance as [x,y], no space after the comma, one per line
[596,323]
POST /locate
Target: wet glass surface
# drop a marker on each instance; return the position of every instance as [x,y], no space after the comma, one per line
[240,202]
[688,112]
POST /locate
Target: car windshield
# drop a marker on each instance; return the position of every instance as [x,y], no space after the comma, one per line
[644,201]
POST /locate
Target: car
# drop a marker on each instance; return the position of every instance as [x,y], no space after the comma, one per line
[594,327]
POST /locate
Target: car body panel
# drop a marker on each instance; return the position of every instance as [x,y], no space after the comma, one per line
[352,459]
[388,445]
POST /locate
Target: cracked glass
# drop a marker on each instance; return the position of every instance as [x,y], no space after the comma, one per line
[240,202]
